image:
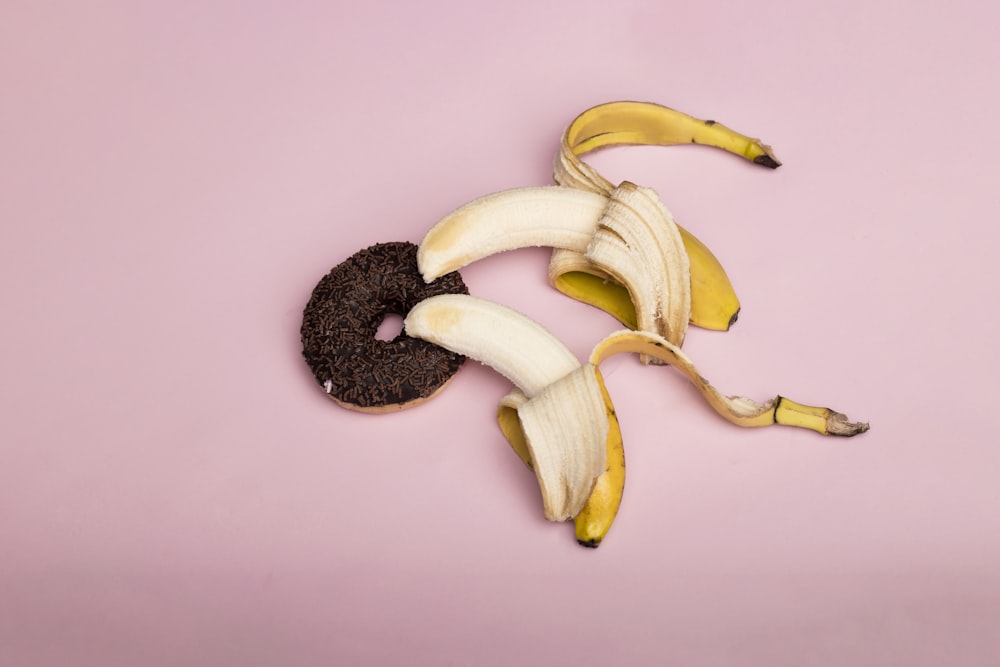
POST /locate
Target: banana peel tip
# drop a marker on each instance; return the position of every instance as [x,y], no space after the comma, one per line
[839,425]
[732,320]
[767,159]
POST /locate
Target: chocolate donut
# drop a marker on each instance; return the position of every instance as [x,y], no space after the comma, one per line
[339,323]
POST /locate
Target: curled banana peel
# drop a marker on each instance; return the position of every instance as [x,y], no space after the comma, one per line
[629,123]
[714,302]
[738,410]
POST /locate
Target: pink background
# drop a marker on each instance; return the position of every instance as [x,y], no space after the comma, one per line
[175,490]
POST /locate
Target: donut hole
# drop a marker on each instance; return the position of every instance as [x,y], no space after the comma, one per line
[390,327]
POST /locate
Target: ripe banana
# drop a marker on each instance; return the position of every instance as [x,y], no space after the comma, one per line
[560,419]
[714,304]
[562,415]
[628,235]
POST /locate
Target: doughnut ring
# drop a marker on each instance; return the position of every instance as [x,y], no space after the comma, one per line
[339,323]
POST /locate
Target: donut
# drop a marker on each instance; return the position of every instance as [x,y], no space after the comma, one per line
[339,323]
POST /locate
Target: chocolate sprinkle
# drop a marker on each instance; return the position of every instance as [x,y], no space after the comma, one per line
[343,315]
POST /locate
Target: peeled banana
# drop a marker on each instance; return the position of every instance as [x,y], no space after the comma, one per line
[560,418]
[562,414]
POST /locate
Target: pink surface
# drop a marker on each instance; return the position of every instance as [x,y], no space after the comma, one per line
[175,490]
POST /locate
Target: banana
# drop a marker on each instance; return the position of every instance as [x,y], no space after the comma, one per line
[560,418]
[714,304]
[550,217]
[617,248]
[629,235]
[567,219]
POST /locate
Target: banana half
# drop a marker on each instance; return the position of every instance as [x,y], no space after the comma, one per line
[560,418]
[563,423]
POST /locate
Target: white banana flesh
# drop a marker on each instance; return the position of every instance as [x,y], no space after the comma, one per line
[511,343]
[560,405]
[549,216]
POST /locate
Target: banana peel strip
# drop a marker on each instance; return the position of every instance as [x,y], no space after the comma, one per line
[738,410]
[631,123]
